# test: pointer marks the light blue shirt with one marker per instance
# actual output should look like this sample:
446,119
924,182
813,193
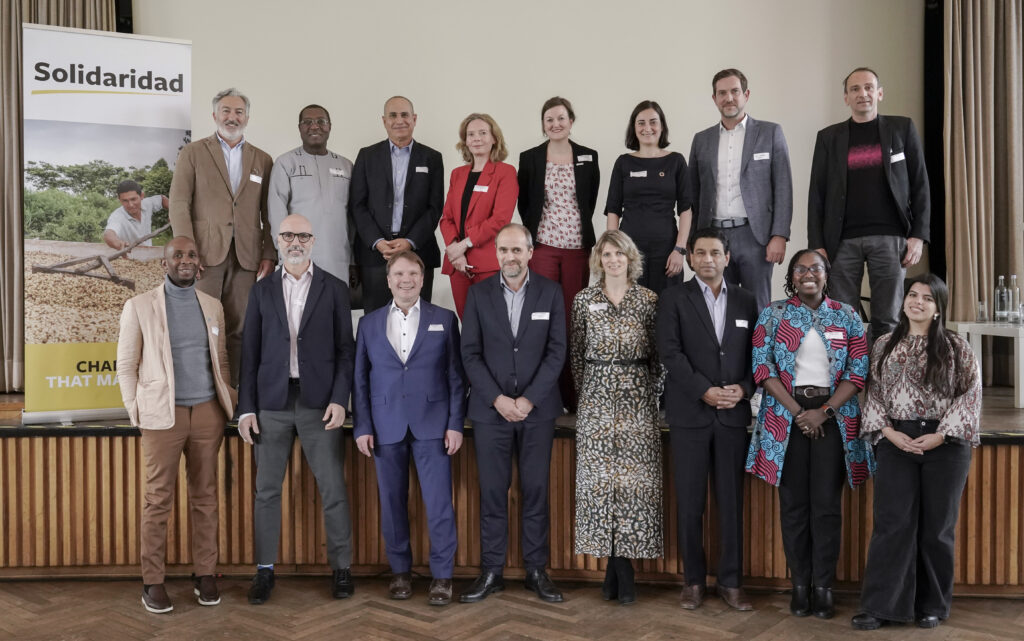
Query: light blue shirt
399,171
716,306
514,301
233,159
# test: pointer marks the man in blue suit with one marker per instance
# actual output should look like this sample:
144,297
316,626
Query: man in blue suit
409,397
513,348
296,373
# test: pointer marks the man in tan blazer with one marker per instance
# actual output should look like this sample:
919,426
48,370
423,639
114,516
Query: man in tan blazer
219,199
173,370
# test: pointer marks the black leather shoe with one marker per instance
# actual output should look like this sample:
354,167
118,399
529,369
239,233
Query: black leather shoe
627,587
800,601
341,584
538,581
824,608
483,585
261,586
610,587
864,621
927,621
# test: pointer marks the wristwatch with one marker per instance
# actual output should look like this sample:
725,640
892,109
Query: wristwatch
681,250
829,410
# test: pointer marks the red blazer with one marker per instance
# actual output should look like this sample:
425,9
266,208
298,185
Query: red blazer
490,209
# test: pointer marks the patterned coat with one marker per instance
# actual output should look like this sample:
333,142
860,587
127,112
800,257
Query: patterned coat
618,435
780,331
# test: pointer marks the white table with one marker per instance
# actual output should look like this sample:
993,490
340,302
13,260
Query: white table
972,333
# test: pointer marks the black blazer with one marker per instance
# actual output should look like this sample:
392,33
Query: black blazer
689,349
325,345
533,168
528,364
907,177
372,195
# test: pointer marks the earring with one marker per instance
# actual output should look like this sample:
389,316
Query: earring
936,316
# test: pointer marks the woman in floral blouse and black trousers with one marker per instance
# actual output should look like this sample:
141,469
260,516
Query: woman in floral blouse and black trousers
924,398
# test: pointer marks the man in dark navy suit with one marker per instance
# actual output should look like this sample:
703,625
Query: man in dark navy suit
513,348
296,376
409,398
704,331
395,200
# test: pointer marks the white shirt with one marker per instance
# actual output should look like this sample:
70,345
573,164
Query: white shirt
811,364
730,162
130,230
295,292
716,306
402,328
233,159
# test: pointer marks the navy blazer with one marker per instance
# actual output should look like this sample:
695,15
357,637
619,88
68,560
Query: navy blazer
689,349
903,161
426,394
325,346
533,171
372,195
527,364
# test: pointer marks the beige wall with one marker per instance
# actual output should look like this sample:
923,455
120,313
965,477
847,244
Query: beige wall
454,56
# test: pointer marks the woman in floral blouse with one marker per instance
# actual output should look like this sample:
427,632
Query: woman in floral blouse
811,357
924,398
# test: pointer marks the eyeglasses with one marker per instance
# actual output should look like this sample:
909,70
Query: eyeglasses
308,122
288,236
800,270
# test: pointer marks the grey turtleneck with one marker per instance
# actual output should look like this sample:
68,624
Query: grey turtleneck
190,347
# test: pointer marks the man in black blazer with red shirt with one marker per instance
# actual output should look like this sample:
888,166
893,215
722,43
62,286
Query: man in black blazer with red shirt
513,348
704,339
393,212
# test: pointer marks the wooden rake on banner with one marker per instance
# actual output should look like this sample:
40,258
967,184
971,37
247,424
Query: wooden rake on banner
84,266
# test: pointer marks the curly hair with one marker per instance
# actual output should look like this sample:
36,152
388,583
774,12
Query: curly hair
790,287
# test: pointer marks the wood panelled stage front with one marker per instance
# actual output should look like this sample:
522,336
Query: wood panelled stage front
71,501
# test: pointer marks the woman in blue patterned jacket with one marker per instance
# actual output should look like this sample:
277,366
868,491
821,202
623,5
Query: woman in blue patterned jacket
811,356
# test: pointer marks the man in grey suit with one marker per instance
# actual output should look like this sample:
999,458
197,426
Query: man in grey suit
741,183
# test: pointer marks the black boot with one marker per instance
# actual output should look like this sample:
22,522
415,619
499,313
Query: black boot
610,587
624,574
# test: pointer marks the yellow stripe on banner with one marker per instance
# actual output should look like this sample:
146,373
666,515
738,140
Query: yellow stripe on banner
71,376
129,93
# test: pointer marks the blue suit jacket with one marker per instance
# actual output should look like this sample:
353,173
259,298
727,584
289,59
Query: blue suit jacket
527,364
426,394
325,345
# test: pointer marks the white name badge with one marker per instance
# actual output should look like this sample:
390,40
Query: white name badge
585,158
898,157
638,174
540,316
435,327
834,336
215,330
337,172
741,322
422,170
256,178
482,188
762,156
598,307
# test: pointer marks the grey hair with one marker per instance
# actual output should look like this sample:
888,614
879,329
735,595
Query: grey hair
522,228
231,91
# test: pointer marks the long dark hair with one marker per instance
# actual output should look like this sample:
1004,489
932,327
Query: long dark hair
632,142
789,287
937,373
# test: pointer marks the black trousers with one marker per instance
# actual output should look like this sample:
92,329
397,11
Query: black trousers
530,442
910,563
375,286
720,450
810,502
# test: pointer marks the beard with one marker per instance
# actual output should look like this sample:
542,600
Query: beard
229,136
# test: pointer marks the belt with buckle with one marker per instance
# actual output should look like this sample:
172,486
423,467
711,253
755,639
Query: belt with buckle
810,391
729,223
618,361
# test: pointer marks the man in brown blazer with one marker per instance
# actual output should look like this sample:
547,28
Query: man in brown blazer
219,199
173,371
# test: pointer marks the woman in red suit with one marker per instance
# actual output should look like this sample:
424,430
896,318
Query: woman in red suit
481,198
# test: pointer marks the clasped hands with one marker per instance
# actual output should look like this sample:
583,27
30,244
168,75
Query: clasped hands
456,253
723,398
388,248
918,445
513,409
810,422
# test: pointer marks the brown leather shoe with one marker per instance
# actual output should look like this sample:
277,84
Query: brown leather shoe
205,589
735,598
155,599
440,592
692,596
400,586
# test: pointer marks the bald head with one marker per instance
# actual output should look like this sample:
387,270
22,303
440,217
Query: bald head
181,261
295,223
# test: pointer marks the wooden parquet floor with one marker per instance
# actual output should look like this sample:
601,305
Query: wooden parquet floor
301,609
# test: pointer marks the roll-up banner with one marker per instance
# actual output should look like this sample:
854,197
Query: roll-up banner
104,113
